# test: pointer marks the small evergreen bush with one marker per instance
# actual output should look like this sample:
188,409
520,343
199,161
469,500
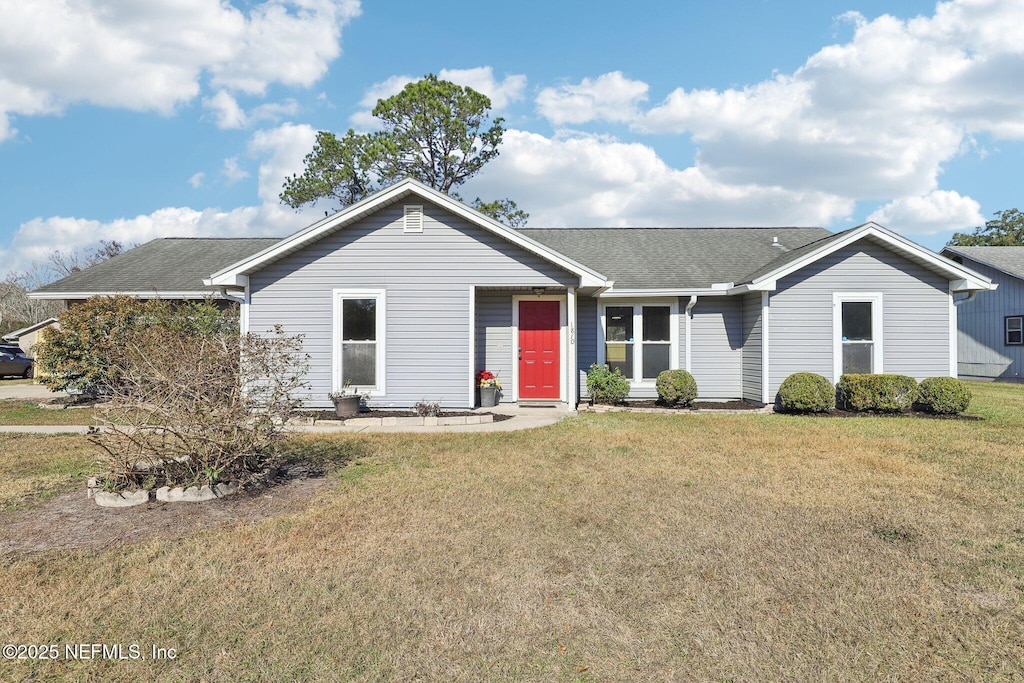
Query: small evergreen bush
676,387
943,395
806,392
882,393
606,386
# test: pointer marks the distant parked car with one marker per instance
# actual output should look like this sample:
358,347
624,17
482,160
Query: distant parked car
15,362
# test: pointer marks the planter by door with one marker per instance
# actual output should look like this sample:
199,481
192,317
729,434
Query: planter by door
347,406
488,397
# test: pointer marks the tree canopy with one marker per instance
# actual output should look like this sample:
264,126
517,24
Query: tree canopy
435,131
1005,230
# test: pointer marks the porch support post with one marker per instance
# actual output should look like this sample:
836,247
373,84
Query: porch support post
472,347
572,369
688,315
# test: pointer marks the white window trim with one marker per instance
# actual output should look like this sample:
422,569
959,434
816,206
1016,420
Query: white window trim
875,299
338,296
1006,330
638,304
562,355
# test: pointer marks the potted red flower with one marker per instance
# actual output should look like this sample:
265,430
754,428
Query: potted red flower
489,386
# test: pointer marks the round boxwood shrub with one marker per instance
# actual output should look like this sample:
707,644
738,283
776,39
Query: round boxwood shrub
676,387
806,392
881,393
606,386
943,395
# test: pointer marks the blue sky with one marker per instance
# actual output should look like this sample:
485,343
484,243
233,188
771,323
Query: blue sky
131,121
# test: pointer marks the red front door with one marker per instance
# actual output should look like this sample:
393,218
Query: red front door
539,350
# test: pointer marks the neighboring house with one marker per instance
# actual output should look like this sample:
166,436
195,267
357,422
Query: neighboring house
27,337
408,293
991,343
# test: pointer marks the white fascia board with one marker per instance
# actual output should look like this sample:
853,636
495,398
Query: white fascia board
350,214
652,293
151,294
18,334
953,270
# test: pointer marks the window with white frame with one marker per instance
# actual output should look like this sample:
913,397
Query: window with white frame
1014,330
857,325
639,339
359,340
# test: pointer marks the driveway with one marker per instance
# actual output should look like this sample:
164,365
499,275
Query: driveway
28,391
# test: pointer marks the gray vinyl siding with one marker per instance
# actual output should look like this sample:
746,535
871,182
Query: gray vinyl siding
915,313
587,332
494,337
752,347
717,347
427,278
981,328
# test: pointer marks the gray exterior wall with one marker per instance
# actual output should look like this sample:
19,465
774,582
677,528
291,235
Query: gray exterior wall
981,328
752,347
494,337
915,309
427,277
587,333
717,346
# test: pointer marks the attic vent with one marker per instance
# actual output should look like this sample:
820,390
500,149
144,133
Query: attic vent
776,243
413,218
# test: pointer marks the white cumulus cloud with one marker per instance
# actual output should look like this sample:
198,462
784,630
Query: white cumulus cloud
589,181
610,97
935,212
154,56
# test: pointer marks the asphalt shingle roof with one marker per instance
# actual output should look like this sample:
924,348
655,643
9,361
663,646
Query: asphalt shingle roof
1007,259
163,265
678,258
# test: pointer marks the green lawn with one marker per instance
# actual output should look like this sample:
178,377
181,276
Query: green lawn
607,547
24,412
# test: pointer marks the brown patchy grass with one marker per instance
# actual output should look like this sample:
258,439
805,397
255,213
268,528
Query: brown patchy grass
607,547
35,467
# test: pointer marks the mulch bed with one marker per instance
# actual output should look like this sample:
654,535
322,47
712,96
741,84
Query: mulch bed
696,405
331,415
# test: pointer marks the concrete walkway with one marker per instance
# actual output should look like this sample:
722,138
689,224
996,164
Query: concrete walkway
523,418
30,391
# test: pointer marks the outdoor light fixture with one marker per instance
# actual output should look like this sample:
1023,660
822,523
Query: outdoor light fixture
539,290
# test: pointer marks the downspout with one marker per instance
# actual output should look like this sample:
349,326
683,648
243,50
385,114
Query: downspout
689,314
224,293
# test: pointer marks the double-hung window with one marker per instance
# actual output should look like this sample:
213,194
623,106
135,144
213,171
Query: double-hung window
857,326
359,340
1014,330
639,339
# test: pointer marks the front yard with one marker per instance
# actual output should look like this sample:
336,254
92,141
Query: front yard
607,547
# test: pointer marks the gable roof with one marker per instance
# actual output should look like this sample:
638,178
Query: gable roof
674,258
173,268
1009,260
961,278
235,275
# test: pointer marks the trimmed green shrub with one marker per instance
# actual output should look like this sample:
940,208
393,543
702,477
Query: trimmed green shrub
806,392
606,386
882,393
943,395
676,387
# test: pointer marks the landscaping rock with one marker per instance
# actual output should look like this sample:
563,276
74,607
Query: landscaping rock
195,494
124,499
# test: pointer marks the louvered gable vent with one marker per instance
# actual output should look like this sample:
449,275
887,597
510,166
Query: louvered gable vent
413,218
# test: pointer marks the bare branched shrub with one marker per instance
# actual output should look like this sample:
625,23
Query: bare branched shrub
197,403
